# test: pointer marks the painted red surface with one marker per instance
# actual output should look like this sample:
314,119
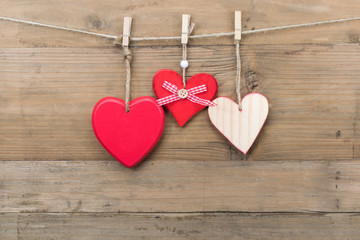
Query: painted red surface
128,136
184,109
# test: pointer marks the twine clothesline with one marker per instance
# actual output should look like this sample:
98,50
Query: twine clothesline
207,35
128,54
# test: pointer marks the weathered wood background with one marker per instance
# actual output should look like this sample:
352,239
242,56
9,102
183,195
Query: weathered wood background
301,179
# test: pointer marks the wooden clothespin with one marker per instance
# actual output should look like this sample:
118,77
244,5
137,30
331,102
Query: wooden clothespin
185,28
126,31
237,35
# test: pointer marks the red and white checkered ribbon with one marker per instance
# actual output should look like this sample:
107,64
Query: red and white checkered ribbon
191,95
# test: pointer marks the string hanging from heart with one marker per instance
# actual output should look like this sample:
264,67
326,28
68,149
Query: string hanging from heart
124,43
238,73
128,58
207,35
184,63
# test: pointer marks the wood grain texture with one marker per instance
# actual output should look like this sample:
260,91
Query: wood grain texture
47,96
8,226
230,226
240,126
56,181
163,18
180,186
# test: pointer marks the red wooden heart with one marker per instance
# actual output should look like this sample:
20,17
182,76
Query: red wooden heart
184,109
128,136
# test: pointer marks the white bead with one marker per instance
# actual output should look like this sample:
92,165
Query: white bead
184,64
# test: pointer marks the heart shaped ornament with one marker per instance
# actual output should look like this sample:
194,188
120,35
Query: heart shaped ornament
184,109
240,127
128,136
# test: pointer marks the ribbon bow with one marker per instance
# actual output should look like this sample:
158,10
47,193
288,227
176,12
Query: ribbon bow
179,94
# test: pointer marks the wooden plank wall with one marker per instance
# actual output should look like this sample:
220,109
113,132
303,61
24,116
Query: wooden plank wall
300,180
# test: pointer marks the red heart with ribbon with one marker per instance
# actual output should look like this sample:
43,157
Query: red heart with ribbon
200,90
128,136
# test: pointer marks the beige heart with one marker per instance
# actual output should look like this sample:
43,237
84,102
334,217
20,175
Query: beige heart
240,127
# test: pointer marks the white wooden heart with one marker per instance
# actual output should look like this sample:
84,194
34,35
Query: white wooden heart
240,127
